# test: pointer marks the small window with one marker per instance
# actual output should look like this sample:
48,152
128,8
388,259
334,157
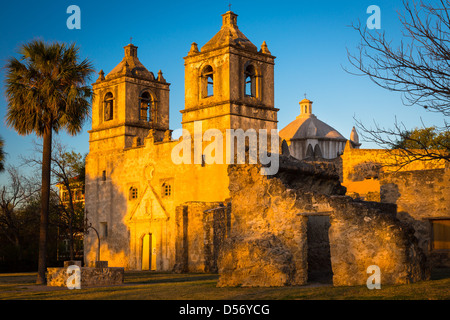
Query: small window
250,81
133,193
109,106
441,234
210,86
104,175
248,86
103,229
166,190
146,103
207,79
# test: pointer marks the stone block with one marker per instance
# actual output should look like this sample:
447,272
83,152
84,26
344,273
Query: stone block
90,277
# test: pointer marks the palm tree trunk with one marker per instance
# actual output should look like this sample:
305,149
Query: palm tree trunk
45,200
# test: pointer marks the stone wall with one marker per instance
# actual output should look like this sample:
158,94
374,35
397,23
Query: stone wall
201,228
361,169
420,196
368,233
90,277
268,243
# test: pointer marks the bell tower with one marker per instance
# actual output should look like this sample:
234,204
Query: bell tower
128,103
229,83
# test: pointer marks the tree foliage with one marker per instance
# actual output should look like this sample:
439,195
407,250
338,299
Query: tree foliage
47,91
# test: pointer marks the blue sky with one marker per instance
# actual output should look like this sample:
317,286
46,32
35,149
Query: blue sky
309,39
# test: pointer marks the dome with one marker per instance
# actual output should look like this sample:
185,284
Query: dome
305,101
309,127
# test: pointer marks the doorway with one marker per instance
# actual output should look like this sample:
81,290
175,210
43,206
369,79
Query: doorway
319,257
148,252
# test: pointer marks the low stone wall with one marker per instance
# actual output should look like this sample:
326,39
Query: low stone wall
90,277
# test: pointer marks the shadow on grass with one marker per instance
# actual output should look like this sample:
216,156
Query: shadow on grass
440,273
145,277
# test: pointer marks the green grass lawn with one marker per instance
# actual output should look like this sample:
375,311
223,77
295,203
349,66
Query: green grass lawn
169,286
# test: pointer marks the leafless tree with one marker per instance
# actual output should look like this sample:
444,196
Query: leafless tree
67,168
13,198
418,68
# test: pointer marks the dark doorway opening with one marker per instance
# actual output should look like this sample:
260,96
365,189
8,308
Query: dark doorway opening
319,257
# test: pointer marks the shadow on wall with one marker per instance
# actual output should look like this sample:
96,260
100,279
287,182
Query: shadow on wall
105,209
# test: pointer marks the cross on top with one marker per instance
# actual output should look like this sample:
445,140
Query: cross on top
305,95
229,6
131,40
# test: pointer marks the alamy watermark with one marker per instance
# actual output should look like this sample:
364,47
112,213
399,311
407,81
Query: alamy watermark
74,20
238,143
374,21
374,281
74,279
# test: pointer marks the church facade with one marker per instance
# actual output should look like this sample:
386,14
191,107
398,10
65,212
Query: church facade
132,185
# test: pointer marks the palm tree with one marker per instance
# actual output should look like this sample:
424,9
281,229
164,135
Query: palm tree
47,91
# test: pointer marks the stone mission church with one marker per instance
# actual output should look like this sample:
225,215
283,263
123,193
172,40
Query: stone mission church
132,185
153,214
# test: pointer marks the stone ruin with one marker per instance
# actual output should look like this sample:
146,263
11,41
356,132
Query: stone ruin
96,276
294,228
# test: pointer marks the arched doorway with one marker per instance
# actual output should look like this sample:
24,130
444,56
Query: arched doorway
148,252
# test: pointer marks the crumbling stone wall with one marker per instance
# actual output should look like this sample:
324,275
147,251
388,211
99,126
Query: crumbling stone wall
368,233
266,247
268,243
201,228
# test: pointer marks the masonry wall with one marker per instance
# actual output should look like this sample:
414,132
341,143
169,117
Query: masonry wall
201,229
268,243
363,234
360,169
420,196
421,190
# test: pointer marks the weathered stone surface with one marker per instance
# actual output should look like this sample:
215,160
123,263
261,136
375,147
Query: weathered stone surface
201,228
267,243
364,234
269,233
90,277
421,196
261,262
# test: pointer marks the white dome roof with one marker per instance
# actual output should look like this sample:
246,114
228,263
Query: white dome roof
307,126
